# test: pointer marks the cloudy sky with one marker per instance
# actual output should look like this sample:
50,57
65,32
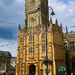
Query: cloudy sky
12,14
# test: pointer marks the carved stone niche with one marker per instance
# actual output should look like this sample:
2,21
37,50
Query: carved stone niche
50,42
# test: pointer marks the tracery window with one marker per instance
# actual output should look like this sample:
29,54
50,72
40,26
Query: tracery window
72,46
41,65
31,39
31,49
21,65
43,37
43,48
21,41
20,50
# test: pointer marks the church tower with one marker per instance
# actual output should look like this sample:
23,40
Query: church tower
32,41
35,11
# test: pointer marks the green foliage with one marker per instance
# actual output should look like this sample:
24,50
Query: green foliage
47,61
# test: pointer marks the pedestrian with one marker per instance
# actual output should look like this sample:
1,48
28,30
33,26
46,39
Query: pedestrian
4,73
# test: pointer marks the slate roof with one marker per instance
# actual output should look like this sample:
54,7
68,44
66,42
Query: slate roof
5,54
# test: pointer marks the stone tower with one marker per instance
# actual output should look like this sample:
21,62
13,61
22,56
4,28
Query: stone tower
32,41
35,11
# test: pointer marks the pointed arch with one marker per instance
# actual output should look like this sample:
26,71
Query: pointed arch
73,63
32,69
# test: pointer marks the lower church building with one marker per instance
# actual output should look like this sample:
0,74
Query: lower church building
31,50
5,58
5,63
69,45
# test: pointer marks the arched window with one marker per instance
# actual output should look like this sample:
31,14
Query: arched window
31,49
21,39
31,39
65,47
43,37
43,48
71,46
41,65
21,65
21,51
73,63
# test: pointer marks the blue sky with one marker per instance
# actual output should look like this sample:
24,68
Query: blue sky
65,12
12,14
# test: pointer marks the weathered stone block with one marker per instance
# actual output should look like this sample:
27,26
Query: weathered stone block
26,74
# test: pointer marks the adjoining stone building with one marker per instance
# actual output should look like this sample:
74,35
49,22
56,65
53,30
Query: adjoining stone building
32,44
5,58
5,63
69,45
13,64
14,61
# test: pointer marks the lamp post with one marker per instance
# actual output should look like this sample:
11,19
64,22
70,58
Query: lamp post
52,13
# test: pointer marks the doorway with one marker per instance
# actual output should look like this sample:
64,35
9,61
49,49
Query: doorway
32,69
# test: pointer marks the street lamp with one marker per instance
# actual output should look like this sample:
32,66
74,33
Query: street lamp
52,13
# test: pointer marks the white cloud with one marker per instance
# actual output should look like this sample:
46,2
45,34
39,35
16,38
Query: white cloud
19,0
73,20
70,12
65,11
71,2
15,14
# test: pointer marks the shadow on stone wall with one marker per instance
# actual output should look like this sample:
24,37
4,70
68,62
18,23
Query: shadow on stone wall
26,74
